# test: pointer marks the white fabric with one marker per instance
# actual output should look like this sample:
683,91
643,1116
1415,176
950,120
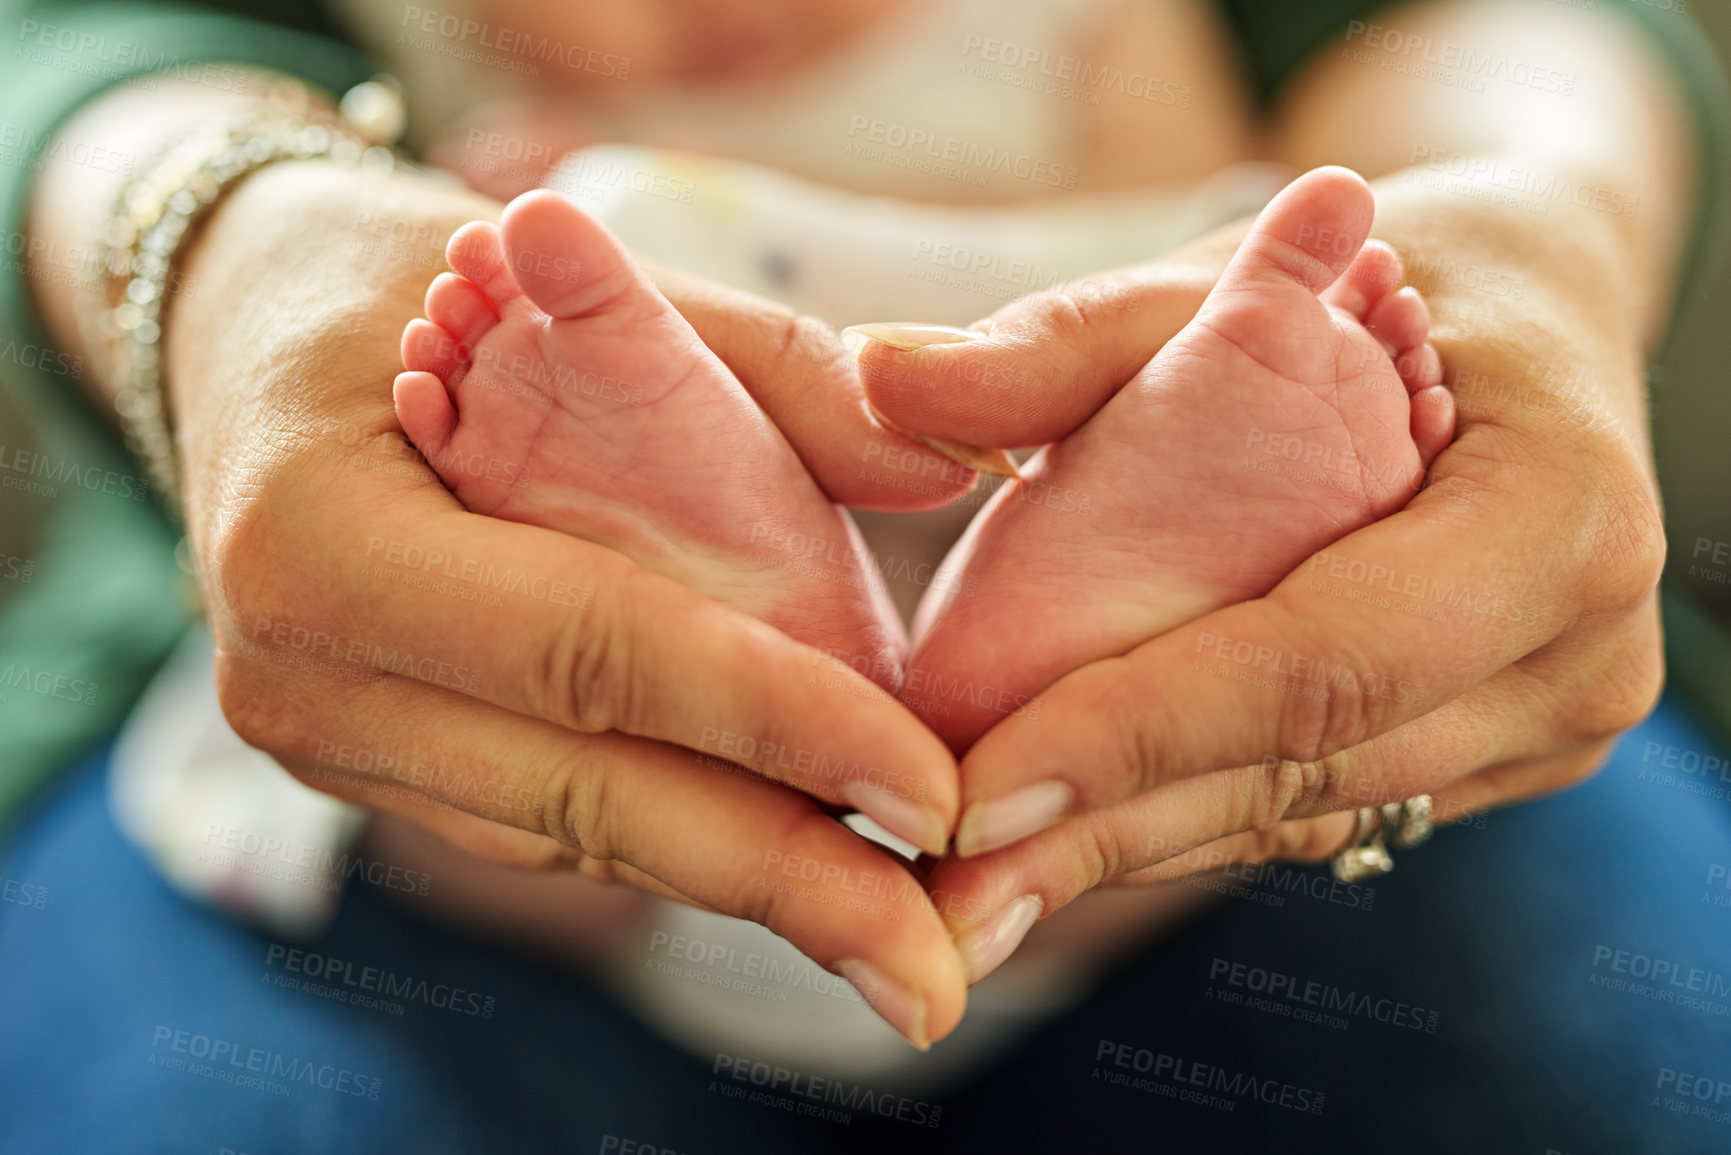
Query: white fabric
849,258
183,779
224,823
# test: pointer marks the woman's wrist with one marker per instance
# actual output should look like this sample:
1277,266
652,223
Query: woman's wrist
73,211
72,201
160,210
305,278
303,255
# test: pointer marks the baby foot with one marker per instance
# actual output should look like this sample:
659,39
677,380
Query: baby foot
1300,404
552,384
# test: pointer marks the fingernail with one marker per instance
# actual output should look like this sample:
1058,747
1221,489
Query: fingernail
894,1003
904,335
984,950
993,461
1000,821
902,817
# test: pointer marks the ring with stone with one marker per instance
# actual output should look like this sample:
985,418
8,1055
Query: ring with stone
1366,856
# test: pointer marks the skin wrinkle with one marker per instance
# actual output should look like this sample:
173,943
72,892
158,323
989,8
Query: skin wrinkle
1345,718
1625,409
584,817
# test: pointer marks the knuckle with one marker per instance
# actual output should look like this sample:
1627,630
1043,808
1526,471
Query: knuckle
1063,319
1626,541
256,708
239,694
1139,732
767,906
243,526
800,339
1067,312
1315,725
1100,856
577,814
1577,770
1605,716
1036,341
1285,789
786,333
238,545
1625,693
583,675
1647,675
479,840
961,890
750,889
1335,700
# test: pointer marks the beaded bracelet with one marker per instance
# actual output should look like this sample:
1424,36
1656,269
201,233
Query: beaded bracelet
172,192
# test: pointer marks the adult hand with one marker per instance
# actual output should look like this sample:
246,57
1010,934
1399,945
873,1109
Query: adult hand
1483,645
534,698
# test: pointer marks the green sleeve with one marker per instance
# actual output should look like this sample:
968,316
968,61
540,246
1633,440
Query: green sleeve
91,598
63,54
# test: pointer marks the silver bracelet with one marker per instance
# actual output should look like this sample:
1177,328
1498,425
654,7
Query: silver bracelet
168,195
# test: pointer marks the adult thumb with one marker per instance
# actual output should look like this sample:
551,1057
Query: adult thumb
1036,369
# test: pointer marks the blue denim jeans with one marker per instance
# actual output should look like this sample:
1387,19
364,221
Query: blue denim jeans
1557,978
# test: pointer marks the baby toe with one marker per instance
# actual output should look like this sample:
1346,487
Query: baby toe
424,410
566,261
428,348
476,251
1370,278
1401,320
1433,422
459,307
1419,367
1307,236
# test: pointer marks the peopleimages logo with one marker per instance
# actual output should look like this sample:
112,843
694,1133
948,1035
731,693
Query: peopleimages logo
94,55
227,1061
1662,971
1690,1086
1067,76
377,981
765,755
1661,980
1284,878
1416,52
52,472
969,157
47,684
509,42
23,893
829,882
1292,672
223,843
816,1095
1693,1094
1309,1000
718,965
1204,1084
